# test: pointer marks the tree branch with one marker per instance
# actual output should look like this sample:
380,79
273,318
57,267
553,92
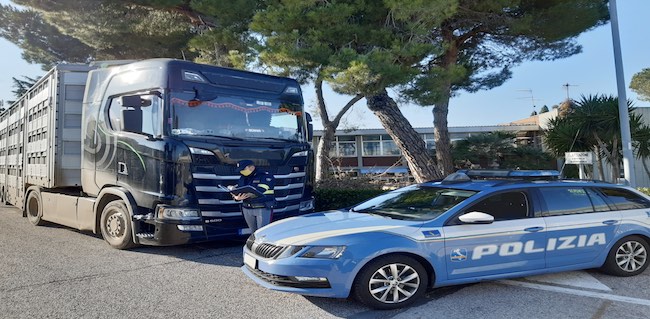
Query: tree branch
322,110
347,106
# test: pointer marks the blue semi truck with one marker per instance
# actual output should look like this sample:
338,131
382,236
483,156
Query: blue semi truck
138,150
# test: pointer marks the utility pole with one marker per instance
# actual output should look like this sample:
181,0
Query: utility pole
626,137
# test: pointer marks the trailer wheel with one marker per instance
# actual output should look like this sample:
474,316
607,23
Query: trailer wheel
34,208
115,225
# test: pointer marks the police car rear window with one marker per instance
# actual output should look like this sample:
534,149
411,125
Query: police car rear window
566,200
624,199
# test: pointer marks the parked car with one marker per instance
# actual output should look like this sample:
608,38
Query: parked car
389,250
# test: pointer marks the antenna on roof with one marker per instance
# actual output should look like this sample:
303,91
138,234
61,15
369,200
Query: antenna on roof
566,87
532,99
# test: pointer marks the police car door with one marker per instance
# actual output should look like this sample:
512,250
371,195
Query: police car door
513,242
579,224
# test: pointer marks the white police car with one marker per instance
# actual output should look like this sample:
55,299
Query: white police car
388,250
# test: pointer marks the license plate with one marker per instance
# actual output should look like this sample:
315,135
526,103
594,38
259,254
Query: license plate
250,261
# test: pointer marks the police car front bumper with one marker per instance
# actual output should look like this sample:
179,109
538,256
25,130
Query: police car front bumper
305,276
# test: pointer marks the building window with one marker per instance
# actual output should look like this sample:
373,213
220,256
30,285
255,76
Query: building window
379,145
429,141
388,146
343,146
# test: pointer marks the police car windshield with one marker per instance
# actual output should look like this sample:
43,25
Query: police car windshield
416,202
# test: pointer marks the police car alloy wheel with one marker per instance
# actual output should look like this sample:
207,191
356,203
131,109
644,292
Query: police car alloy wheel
390,282
628,257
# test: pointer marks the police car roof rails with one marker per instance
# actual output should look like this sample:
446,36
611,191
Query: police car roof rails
511,174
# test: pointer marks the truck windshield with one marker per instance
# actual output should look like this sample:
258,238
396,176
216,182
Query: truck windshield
234,116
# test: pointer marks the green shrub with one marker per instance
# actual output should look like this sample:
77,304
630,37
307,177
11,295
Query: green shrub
336,198
645,190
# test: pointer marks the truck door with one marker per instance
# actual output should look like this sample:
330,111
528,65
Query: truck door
139,152
513,242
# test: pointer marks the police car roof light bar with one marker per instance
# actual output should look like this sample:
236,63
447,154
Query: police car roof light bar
517,174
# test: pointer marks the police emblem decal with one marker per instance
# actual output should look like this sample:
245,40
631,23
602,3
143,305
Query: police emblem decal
458,254
431,233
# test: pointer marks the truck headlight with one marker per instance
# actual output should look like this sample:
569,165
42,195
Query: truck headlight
307,205
178,213
325,252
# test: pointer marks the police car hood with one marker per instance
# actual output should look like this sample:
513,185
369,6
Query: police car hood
307,229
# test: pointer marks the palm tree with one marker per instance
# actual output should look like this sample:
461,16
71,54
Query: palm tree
593,124
641,143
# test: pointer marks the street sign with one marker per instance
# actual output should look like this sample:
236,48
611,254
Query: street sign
578,158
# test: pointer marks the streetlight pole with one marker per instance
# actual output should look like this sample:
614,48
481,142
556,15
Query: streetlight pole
626,137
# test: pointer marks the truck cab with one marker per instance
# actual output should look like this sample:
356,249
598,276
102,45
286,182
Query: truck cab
160,140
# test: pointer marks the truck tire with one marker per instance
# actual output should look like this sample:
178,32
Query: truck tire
34,208
115,225
628,257
390,282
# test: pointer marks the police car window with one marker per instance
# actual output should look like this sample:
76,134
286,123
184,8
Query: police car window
566,200
597,201
624,199
503,206
415,202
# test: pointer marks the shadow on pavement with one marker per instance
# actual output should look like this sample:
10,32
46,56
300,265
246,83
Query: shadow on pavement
221,252
352,309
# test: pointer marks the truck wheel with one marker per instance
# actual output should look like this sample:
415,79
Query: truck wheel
34,208
115,225
390,282
628,257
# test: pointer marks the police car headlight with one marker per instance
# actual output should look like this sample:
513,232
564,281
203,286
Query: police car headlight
325,252
178,213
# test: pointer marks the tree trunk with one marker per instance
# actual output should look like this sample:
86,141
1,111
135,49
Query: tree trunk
441,106
422,166
323,162
441,135
599,163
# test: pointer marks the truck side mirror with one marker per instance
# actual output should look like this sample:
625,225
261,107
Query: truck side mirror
310,127
135,101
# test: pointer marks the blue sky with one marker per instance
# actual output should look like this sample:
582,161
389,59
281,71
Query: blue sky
591,72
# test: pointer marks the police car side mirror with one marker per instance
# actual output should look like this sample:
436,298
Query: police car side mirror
476,218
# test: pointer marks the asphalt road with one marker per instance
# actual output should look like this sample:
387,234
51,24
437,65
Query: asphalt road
57,272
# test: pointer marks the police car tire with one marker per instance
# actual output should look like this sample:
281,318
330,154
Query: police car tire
361,286
611,266
119,216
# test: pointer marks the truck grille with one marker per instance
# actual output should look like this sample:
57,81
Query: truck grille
218,203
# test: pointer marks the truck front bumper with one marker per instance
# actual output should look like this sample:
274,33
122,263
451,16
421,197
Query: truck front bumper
169,233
